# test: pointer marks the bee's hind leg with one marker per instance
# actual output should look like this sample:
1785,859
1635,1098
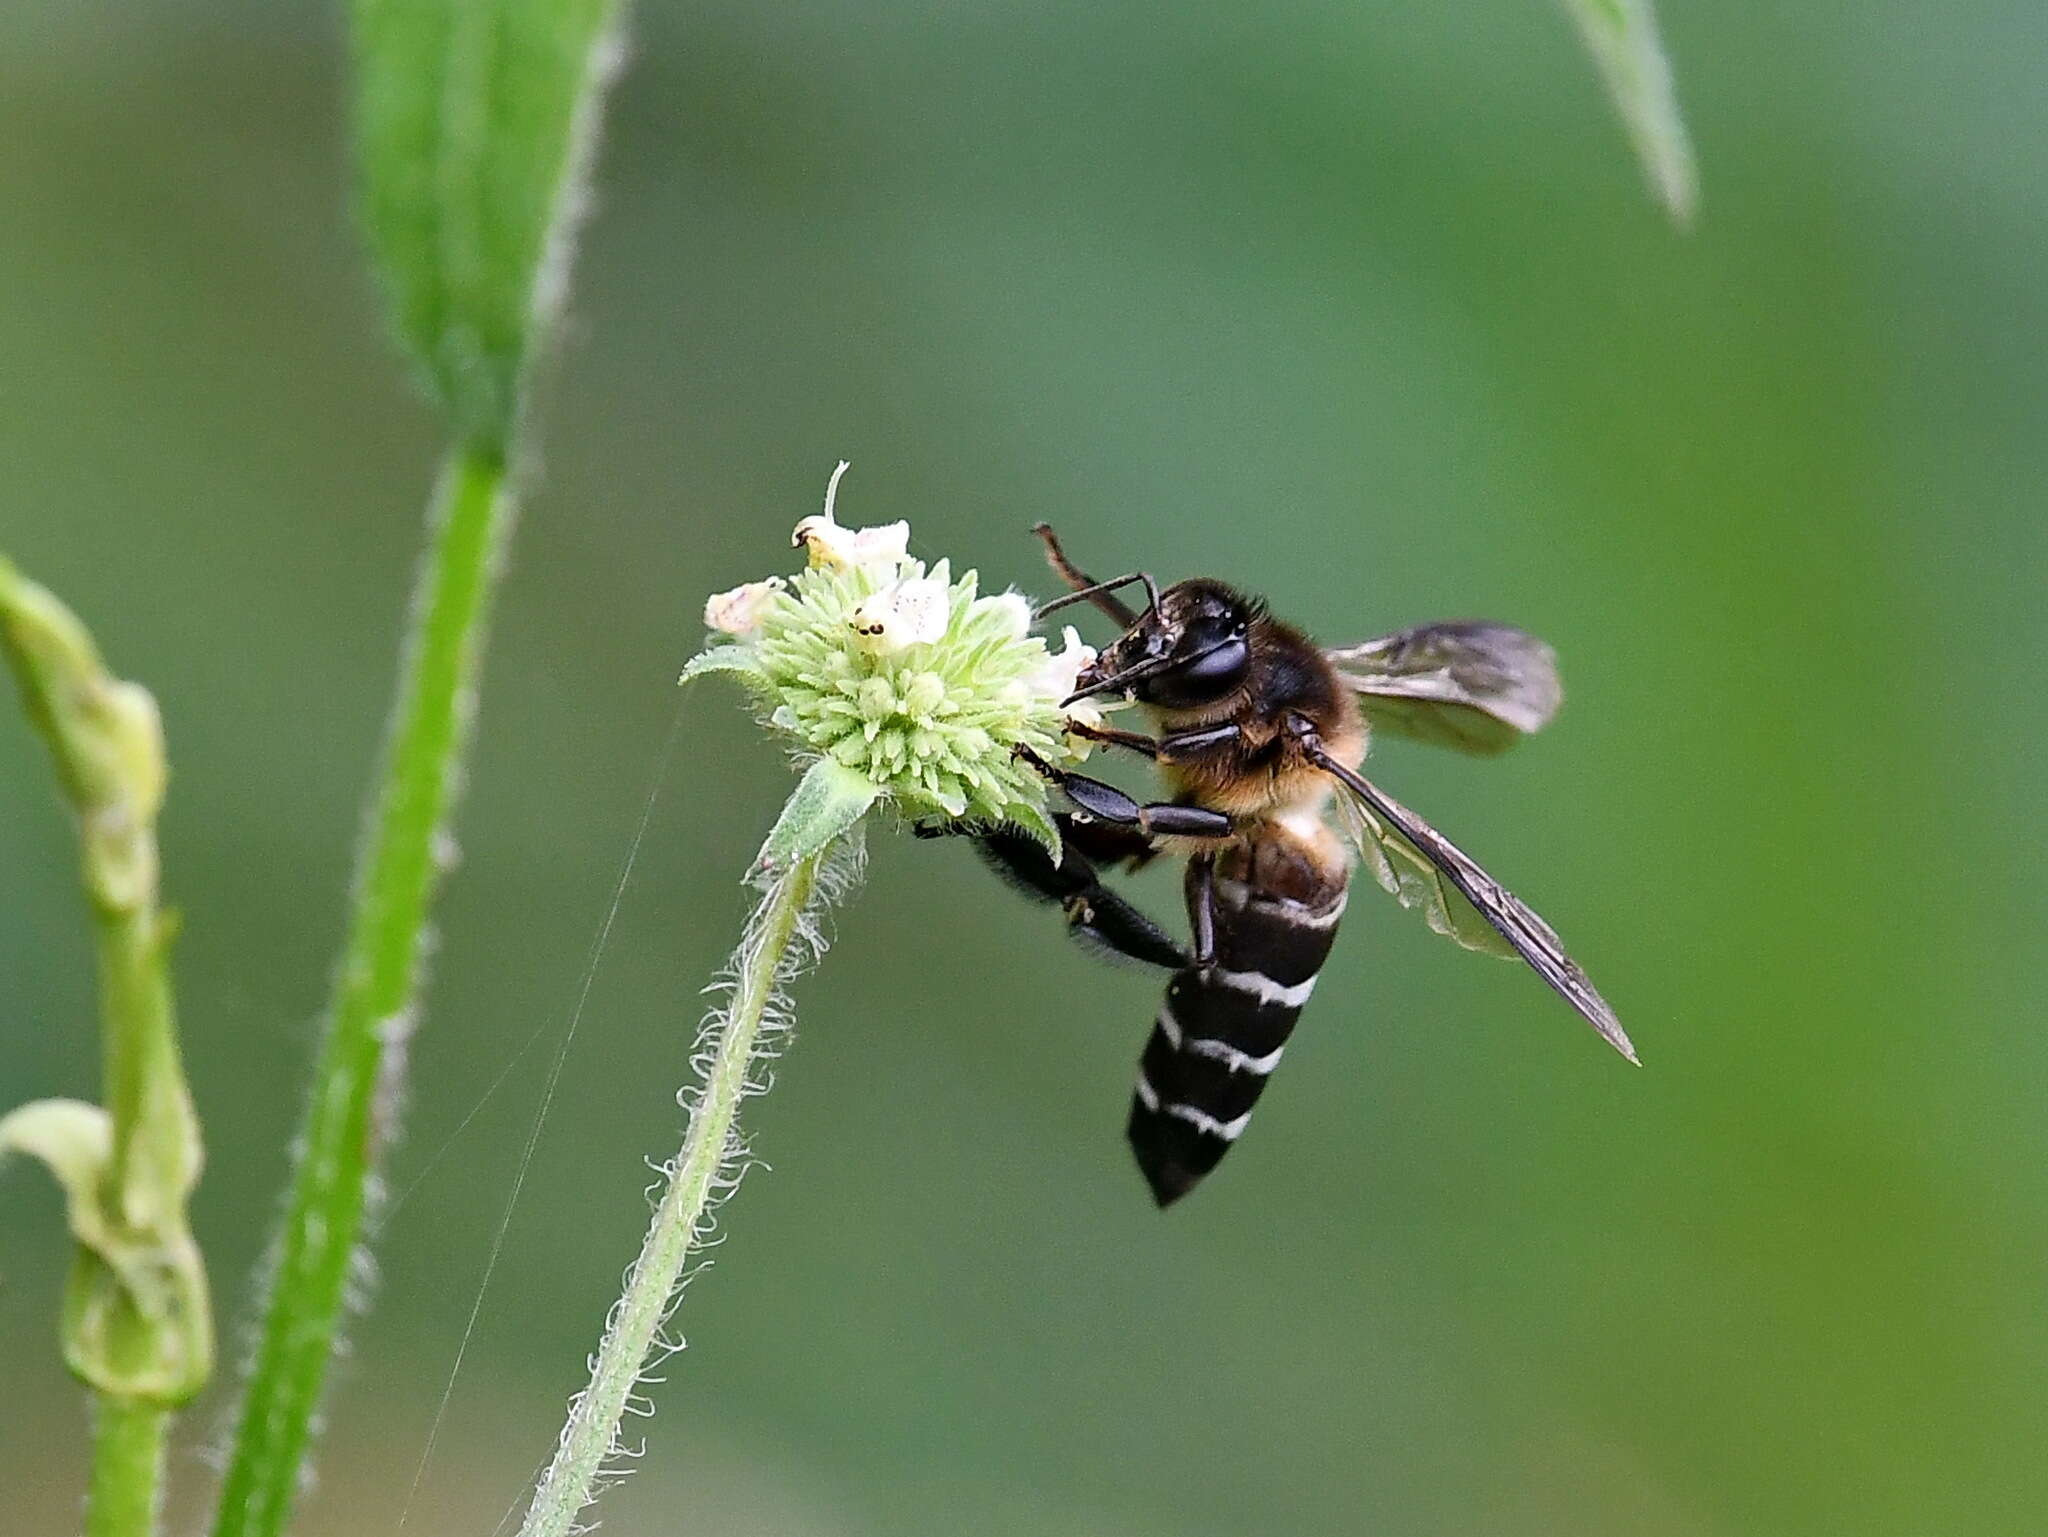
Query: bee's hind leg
1095,914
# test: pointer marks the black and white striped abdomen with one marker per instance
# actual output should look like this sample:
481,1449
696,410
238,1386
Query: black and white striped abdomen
1222,1029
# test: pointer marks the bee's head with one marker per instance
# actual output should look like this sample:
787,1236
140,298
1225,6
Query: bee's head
1189,649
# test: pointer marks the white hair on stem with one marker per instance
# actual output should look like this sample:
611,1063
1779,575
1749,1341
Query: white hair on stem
740,1036
902,688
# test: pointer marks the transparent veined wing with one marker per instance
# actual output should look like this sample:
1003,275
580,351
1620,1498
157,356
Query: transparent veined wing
1464,683
1425,869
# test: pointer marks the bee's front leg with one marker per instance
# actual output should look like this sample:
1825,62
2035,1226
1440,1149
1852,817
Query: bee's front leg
1132,741
1175,747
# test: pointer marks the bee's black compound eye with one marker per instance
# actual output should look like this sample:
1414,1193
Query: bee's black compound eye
1215,655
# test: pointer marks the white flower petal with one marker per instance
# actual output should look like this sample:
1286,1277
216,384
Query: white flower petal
739,611
908,612
1055,676
1012,609
828,544
1058,675
1085,712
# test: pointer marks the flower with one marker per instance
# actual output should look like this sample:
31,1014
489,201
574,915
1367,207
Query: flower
1059,675
898,682
834,547
831,545
739,612
911,611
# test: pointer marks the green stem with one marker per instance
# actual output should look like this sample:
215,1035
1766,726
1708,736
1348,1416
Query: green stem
371,1014
156,1142
127,1468
136,1326
154,1159
766,957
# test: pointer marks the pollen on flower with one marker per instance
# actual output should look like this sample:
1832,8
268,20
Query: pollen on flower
903,674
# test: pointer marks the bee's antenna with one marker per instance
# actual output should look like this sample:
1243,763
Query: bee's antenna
1116,681
1098,594
1141,671
1085,586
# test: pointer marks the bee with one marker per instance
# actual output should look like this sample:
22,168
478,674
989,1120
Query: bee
1259,735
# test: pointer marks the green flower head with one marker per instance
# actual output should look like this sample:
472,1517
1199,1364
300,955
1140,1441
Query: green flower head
898,682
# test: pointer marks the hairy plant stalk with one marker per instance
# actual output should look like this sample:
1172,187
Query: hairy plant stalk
371,1014
127,1468
904,687
475,125
778,942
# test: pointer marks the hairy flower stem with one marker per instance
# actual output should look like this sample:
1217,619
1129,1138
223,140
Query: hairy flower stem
770,951
397,872
127,1468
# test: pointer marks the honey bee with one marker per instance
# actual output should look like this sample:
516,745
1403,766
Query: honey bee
1259,735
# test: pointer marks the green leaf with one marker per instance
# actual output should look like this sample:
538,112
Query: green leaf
136,1322
75,1141
827,801
475,122
739,659
1039,827
1622,37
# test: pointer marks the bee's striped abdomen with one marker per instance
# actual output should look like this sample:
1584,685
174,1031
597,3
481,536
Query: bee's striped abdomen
1221,1030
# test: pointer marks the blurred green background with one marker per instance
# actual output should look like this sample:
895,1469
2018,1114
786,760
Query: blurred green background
1359,304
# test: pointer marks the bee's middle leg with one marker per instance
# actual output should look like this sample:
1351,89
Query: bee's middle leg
1201,893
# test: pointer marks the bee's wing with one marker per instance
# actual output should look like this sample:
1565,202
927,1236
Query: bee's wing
1463,683
1425,869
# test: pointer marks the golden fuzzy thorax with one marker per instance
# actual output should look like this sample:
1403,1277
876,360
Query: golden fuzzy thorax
1268,778
1277,797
